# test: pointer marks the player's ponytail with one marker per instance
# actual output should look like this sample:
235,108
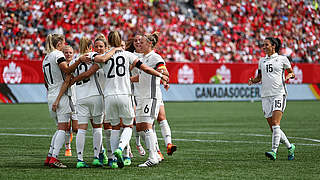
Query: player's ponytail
153,38
52,40
114,39
85,44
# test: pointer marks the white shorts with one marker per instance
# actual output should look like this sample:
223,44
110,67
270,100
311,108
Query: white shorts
147,110
273,103
119,106
63,112
91,107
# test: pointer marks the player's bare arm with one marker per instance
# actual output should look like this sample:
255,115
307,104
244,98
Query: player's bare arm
105,57
256,79
94,68
150,70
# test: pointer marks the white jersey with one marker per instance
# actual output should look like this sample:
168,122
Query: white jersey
88,86
134,72
149,85
117,72
53,75
273,74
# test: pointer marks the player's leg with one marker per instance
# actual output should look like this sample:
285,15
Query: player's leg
96,110
107,131
68,139
63,117
165,130
83,118
159,154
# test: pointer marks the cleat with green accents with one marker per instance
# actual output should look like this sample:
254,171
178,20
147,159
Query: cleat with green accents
291,152
96,162
103,158
127,161
114,164
271,155
118,154
82,164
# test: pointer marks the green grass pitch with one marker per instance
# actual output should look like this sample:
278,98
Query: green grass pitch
216,140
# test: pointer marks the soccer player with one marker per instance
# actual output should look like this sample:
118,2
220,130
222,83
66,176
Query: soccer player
149,97
55,68
101,46
73,124
117,93
271,73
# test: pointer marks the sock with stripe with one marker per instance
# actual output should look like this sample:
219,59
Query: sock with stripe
58,143
52,144
80,141
97,140
276,134
166,132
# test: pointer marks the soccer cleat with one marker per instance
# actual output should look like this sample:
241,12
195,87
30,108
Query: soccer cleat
103,158
271,155
82,164
160,157
55,163
127,161
291,152
114,164
96,162
171,148
68,152
109,163
46,162
118,154
148,163
141,150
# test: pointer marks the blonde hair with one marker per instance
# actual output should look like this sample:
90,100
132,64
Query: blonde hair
67,47
102,38
114,39
85,44
52,40
154,38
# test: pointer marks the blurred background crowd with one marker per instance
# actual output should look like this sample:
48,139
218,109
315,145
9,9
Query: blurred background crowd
191,30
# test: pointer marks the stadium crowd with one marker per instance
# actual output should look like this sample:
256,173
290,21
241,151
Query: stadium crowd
191,31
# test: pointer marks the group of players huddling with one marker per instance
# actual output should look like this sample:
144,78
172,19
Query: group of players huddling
115,87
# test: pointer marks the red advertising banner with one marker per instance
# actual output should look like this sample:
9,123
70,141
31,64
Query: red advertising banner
15,72
189,73
12,72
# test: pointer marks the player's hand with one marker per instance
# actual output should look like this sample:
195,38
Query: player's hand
290,76
166,87
250,81
55,106
165,79
85,58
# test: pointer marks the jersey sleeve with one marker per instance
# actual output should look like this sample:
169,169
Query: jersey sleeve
159,62
60,57
131,57
286,63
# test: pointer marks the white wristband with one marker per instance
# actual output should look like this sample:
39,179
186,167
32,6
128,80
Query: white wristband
160,75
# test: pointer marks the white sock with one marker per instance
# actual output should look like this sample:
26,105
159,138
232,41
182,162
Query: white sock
276,134
97,140
114,140
165,131
150,143
52,144
125,137
80,140
58,142
68,140
155,138
284,139
107,132
138,141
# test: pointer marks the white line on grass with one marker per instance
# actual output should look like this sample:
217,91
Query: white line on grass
184,140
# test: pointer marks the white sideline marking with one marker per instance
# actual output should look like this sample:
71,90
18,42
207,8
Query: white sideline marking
185,140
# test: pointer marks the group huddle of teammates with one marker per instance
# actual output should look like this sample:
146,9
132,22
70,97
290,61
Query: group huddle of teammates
112,88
